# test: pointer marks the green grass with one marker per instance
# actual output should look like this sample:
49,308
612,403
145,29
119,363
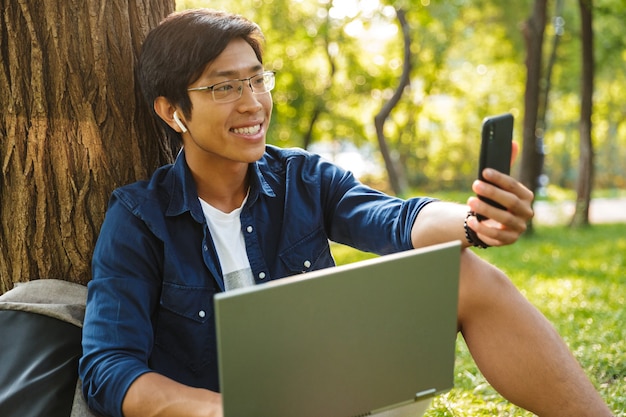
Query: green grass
577,278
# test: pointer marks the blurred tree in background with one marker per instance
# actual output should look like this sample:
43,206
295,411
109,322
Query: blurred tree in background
73,126
339,62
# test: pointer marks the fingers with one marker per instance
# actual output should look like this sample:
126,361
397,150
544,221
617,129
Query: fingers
495,233
504,226
505,190
514,151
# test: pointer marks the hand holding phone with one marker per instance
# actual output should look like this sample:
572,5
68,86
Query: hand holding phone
495,149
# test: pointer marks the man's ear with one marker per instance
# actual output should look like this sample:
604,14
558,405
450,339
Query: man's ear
168,113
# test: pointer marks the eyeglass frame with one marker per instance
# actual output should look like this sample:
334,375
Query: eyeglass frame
241,80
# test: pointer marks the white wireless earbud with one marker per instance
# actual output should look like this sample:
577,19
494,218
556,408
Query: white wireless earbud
179,123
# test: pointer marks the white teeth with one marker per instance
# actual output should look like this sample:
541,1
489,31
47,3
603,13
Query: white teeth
248,130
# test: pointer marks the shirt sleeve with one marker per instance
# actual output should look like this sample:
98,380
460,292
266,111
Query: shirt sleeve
122,296
365,218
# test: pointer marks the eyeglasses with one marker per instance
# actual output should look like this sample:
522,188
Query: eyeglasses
231,90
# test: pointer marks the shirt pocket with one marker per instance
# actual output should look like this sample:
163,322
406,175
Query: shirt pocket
185,326
310,253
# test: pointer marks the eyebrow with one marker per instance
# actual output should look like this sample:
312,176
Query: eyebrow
234,73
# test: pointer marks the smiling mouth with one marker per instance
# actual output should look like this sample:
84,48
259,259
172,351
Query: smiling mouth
251,130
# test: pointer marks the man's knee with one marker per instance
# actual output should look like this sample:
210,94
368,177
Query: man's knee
481,286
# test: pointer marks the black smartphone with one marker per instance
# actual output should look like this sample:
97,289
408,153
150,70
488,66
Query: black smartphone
495,148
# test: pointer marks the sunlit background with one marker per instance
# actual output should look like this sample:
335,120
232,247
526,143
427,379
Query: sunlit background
340,61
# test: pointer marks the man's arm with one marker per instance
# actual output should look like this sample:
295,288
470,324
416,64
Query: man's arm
441,222
118,331
154,395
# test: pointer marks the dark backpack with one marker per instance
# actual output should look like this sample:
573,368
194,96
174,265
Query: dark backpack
40,345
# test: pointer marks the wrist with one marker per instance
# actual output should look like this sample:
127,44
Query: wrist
471,236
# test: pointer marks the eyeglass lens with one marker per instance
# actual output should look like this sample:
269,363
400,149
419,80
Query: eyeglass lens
233,89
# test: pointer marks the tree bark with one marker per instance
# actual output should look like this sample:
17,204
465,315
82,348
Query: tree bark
545,91
585,160
395,178
545,88
72,128
532,149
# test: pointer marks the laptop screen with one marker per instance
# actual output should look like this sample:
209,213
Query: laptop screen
345,341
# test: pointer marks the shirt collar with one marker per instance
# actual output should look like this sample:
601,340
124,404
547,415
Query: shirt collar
184,194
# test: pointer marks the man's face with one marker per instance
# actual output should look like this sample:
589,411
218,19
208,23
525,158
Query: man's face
233,131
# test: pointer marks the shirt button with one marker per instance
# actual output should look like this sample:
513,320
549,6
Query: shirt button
262,275
201,313
249,229
307,264
206,248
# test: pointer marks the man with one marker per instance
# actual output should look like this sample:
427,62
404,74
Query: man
233,211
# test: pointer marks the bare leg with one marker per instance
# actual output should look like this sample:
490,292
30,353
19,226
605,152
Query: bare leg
517,349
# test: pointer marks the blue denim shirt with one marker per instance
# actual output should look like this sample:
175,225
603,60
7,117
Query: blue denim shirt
155,269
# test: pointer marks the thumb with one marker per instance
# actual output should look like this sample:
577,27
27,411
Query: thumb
514,151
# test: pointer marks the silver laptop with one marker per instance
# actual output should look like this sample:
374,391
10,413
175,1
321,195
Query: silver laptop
375,337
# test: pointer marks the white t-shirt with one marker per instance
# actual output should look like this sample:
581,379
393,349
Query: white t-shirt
227,236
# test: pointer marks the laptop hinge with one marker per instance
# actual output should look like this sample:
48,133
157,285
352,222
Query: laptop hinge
425,393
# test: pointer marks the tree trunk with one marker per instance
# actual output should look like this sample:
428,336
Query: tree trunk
398,185
585,162
544,92
73,127
532,149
